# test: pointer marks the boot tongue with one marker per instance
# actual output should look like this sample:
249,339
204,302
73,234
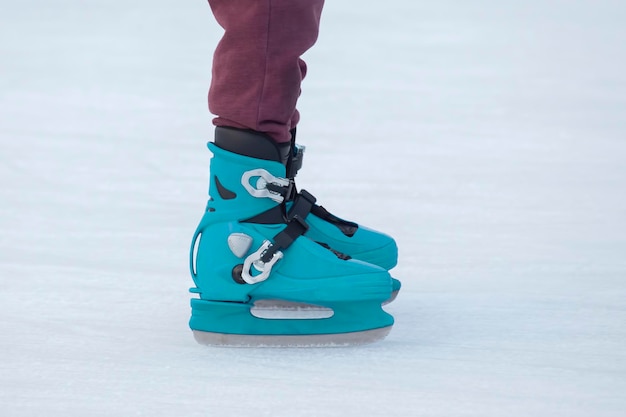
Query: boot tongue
251,143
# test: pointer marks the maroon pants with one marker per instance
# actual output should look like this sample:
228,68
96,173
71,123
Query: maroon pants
257,70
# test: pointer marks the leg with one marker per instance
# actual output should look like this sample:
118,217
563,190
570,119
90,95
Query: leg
257,70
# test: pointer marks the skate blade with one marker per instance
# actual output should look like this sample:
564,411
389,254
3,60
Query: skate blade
314,340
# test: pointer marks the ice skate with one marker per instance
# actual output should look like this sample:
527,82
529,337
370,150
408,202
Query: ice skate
345,237
260,281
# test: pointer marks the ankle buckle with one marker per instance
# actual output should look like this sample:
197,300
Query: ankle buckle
255,261
267,185
295,160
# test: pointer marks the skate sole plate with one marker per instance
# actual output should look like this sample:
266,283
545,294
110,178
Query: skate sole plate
313,340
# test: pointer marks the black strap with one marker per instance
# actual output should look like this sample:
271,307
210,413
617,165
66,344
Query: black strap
303,203
347,227
296,227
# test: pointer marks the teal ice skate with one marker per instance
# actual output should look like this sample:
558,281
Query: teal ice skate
260,281
349,238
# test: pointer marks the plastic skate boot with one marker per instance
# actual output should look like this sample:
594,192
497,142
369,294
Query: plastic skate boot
250,265
354,240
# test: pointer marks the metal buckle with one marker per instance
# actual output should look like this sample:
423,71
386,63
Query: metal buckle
264,178
254,261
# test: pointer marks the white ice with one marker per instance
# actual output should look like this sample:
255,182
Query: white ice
488,137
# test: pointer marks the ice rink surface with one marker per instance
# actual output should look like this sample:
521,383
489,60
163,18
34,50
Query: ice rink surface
488,137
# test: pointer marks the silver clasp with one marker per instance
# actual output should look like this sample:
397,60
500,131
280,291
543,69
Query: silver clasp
254,261
265,178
